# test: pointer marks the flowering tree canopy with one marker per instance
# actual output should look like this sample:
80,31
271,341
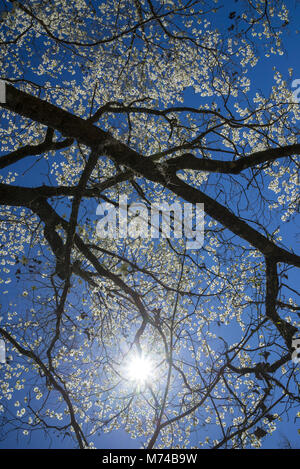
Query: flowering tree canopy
157,100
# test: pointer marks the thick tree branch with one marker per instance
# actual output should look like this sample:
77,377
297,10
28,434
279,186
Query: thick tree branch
272,287
189,161
92,136
32,150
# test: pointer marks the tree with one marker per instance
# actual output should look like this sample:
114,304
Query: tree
152,100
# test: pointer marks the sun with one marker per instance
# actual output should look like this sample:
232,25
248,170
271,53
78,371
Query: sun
140,370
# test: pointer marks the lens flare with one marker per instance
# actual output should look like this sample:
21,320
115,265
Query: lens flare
140,370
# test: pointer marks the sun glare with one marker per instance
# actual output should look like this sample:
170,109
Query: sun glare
140,370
